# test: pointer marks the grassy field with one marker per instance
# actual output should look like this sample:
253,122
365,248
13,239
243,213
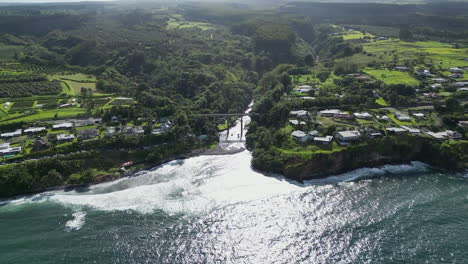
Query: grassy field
381,102
180,24
8,51
432,52
350,35
45,115
77,77
392,77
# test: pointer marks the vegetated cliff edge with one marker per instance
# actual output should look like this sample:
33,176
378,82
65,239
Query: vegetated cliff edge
372,153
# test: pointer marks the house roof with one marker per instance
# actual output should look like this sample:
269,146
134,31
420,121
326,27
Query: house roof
298,134
324,139
349,134
34,129
331,111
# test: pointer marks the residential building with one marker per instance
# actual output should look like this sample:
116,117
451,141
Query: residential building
306,89
110,131
396,130
464,89
463,124
344,116
364,115
88,133
384,118
430,95
330,112
402,117
423,72
300,136
65,137
63,126
300,114
295,122
456,75
323,140
4,145
348,136
134,131
459,84
10,151
439,80
308,98
456,70
411,130
436,86
446,135
15,133
419,115
33,130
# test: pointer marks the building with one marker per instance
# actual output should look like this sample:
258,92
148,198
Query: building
300,114
308,98
463,124
15,133
364,115
65,137
456,70
402,117
306,89
439,80
419,115
456,75
63,126
330,112
423,72
381,38
411,130
459,84
436,86
4,146
384,118
396,130
33,130
348,136
446,135
344,116
323,140
88,133
295,122
430,95
464,89
10,151
88,122
401,68
134,131
300,136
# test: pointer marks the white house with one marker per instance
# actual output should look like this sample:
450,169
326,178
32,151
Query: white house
456,70
9,151
300,114
464,89
63,126
459,84
65,137
308,98
16,133
402,117
33,130
300,136
330,112
411,130
295,122
348,136
439,80
419,115
384,118
401,68
323,140
396,130
4,145
364,115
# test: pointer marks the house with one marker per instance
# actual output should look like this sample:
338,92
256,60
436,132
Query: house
411,130
454,134
401,68
134,131
372,133
364,115
313,133
464,89
419,115
63,126
300,114
436,86
65,137
323,140
33,130
402,117
362,78
456,75
4,146
455,70
110,131
381,38
446,135
330,112
88,122
10,151
344,116
423,72
6,105
384,118
308,98
463,124
66,106
439,80
297,122
300,136
114,119
396,130
88,133
16,133
459,84
348,136
40,143
306,89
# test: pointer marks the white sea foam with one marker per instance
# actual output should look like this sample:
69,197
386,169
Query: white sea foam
76,223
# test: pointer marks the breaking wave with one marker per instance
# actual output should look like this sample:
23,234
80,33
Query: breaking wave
76,223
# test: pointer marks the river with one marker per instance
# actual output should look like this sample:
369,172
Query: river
216,209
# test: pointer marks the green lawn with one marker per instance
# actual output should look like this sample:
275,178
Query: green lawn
45,115
381,102
392,77
350,35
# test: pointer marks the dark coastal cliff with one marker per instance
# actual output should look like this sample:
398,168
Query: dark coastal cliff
374,153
